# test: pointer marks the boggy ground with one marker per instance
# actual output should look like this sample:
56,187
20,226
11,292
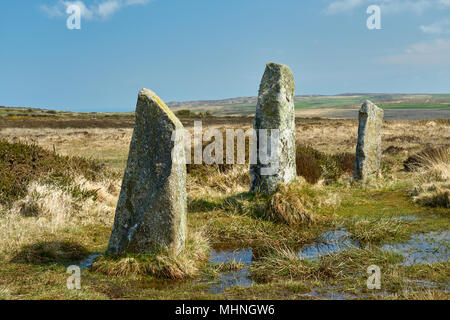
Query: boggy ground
253,243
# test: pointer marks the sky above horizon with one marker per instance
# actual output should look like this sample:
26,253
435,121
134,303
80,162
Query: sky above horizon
210,49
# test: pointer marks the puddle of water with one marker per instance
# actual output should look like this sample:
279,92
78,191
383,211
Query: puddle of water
329,242
232,278
86,263
431,247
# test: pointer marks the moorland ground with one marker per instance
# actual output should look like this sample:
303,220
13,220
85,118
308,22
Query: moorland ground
65,213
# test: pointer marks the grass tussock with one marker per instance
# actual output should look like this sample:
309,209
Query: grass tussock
299,202
161,265
290,205
293,204
377,230
427,158
432,185
230,266
284,263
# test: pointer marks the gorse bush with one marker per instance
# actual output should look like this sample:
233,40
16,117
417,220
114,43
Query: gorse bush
186,113
21,164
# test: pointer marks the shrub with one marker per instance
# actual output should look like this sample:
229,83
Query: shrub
183,113
313,164
21,164
307,166
346,161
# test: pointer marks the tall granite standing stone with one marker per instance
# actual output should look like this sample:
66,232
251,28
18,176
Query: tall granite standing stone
275,110
151,211
368,148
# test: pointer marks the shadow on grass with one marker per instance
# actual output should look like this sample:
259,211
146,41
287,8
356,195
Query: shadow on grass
54,252
201,205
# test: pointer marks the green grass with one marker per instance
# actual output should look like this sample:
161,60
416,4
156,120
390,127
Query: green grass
368,212
278,275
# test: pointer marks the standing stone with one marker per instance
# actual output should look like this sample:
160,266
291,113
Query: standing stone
368,148
275,110
151,211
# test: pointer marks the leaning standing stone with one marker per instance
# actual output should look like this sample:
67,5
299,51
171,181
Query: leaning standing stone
151,211
275,110
368,148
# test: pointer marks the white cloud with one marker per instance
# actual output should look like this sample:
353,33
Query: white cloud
436,52
99,10
439,27
387,6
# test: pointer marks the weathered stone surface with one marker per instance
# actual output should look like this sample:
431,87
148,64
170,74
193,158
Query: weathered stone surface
368,148
275,110
151,211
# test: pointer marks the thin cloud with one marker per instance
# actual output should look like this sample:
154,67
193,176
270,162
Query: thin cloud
99,10
439,27
435,52
387,6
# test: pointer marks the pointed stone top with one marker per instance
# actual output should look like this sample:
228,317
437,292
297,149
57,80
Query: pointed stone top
276,76
278,68
276,65
149,95
368,106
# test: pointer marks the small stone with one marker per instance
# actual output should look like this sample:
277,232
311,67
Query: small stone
151,211
275,110
368,148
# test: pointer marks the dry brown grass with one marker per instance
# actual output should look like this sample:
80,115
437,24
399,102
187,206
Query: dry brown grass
290,205
46,210
297,203
432,185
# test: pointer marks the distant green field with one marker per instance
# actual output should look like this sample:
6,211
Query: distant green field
352,103
416,106
327,102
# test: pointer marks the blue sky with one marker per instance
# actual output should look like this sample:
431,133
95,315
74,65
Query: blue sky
210,49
